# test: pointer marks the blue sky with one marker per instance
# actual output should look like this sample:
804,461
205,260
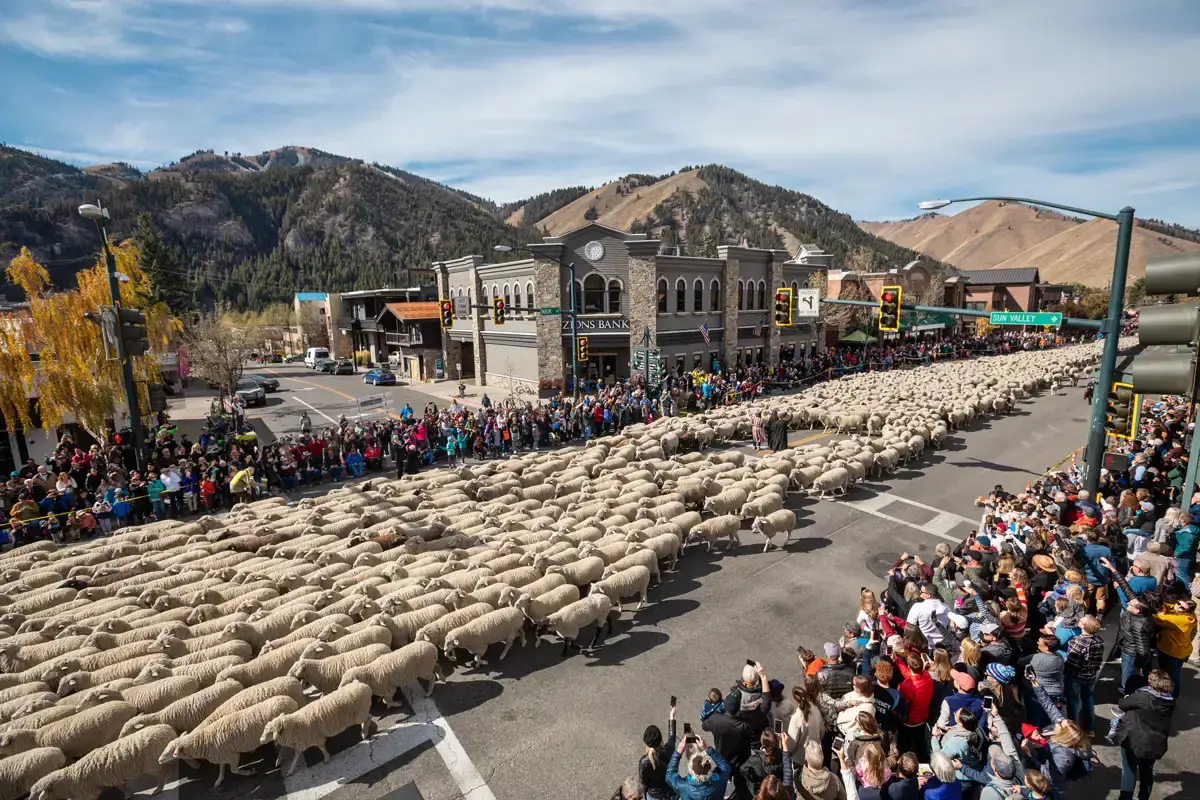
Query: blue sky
868,105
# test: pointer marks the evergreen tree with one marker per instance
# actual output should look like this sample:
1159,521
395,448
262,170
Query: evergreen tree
171,282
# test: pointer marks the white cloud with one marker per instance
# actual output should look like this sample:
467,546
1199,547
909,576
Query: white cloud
869,107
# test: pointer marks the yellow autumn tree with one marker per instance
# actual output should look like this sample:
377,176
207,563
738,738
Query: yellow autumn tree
52,352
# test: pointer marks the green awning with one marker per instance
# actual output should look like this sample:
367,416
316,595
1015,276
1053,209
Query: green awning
858,337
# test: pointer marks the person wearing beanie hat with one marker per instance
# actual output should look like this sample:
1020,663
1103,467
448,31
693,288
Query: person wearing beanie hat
652,768
1001,673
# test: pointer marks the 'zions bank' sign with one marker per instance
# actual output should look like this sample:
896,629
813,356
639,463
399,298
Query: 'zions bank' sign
598,325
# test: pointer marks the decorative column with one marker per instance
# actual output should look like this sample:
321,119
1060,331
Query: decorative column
548,280
476,317
729,309
642,293
451,350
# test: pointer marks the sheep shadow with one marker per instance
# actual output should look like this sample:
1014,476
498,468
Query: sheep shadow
614,651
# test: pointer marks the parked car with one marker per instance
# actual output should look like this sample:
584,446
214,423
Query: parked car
275,358
268,384
250,393
324,365
294,358
379,377
344,367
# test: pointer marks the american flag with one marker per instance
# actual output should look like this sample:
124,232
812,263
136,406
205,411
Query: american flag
758,329
704,332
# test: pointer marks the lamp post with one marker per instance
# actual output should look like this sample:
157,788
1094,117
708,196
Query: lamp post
1111,328
97,213
570,268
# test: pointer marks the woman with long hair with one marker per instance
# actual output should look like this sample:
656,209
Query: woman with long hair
764,762
806,725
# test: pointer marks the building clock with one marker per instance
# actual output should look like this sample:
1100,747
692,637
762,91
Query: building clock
593,251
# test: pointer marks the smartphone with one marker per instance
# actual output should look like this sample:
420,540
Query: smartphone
838,743
750,662
778,727
672,701
687,729
988,703
1029,674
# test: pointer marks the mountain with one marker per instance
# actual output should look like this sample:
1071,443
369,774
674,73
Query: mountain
998,234
253,229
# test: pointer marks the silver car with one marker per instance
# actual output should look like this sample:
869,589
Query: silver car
250,393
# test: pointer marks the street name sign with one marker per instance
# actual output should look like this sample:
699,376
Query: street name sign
462,306
547,311
808,304
1019,318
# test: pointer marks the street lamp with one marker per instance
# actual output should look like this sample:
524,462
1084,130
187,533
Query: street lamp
570,268
98,214
1111,327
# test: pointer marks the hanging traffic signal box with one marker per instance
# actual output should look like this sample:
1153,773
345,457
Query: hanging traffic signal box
446,312
131,324
582,354
498,310
889,308
1121,411
1172,328
783,307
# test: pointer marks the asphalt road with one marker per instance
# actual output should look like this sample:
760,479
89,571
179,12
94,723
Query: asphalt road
538,726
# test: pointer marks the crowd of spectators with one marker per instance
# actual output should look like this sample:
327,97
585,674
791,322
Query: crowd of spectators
974,675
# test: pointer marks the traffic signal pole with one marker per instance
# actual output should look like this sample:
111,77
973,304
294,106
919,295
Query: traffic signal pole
127,378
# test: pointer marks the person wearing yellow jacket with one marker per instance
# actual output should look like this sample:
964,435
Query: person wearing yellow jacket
241,483
1176,625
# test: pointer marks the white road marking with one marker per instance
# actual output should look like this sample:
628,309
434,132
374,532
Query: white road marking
938,526
426,724
314,408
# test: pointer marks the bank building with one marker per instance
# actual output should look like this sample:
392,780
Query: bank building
625,288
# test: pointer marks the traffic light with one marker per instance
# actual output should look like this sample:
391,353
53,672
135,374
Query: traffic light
582,348
498,310
1166,372
889,308
783,307
132,326
157,395
446,312
1121,411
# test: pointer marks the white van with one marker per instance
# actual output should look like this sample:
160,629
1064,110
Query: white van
314,355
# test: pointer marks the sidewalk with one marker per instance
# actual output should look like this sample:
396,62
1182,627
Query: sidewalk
445,392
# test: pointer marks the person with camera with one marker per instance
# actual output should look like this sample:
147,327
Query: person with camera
652,768
708,772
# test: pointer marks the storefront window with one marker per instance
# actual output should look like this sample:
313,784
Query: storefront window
593,294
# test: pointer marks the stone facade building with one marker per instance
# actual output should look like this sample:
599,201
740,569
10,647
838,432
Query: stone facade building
624,289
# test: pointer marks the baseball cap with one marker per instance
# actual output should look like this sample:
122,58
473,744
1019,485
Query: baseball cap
962,680
894,641
959,621
989,628
832,651
1004,767
984,541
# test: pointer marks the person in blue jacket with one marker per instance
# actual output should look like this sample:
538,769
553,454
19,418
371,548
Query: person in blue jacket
708,772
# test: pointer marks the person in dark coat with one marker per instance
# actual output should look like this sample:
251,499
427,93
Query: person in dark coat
652,769
777,433
1142,731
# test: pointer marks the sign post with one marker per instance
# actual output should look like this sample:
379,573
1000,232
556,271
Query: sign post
1052,319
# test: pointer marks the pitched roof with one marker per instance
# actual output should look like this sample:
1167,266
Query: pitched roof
997,277
409,312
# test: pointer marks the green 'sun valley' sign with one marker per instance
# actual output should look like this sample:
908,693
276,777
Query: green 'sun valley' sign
1021,318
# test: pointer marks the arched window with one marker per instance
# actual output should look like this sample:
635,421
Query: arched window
741,295
593,294
529,296
698,295
714,295
579,297
495,290
614,296
680,295
516,297
762,294
662,295
795,288
507,297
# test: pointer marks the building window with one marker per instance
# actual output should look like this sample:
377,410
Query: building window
662,295
507,297
529,296
758,355
698,295
680,295
516,297
697,360
679,365
795,289
762,295
614,297
495,290
714,360
578,297
714,295
741,295
593,294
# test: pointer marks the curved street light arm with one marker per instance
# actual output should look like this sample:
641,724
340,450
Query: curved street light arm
1070,209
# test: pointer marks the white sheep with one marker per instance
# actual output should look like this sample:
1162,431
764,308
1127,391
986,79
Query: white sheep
626,583
187,712
582,572
20,772
328,716
113,765
543,605
568,621
832,480
724,527
325,674
502,625
729,501
773,524
435,632
274,664
224,740
75,735
415,661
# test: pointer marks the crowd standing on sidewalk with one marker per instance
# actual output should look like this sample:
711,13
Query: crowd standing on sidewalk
974,675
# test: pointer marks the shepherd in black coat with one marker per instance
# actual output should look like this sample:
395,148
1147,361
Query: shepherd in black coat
1142,733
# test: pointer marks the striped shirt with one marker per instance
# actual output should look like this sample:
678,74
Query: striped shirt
1085,656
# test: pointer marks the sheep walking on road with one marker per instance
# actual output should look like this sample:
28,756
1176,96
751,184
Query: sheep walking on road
328,716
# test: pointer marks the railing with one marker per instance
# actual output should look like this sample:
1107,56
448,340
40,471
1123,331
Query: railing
410,339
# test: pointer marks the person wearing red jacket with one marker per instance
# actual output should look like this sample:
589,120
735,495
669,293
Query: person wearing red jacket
917,691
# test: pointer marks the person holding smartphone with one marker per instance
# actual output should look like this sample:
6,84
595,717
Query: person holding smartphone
652,768
707,771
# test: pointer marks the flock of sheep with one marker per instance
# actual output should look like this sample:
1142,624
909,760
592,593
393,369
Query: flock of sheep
202,641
